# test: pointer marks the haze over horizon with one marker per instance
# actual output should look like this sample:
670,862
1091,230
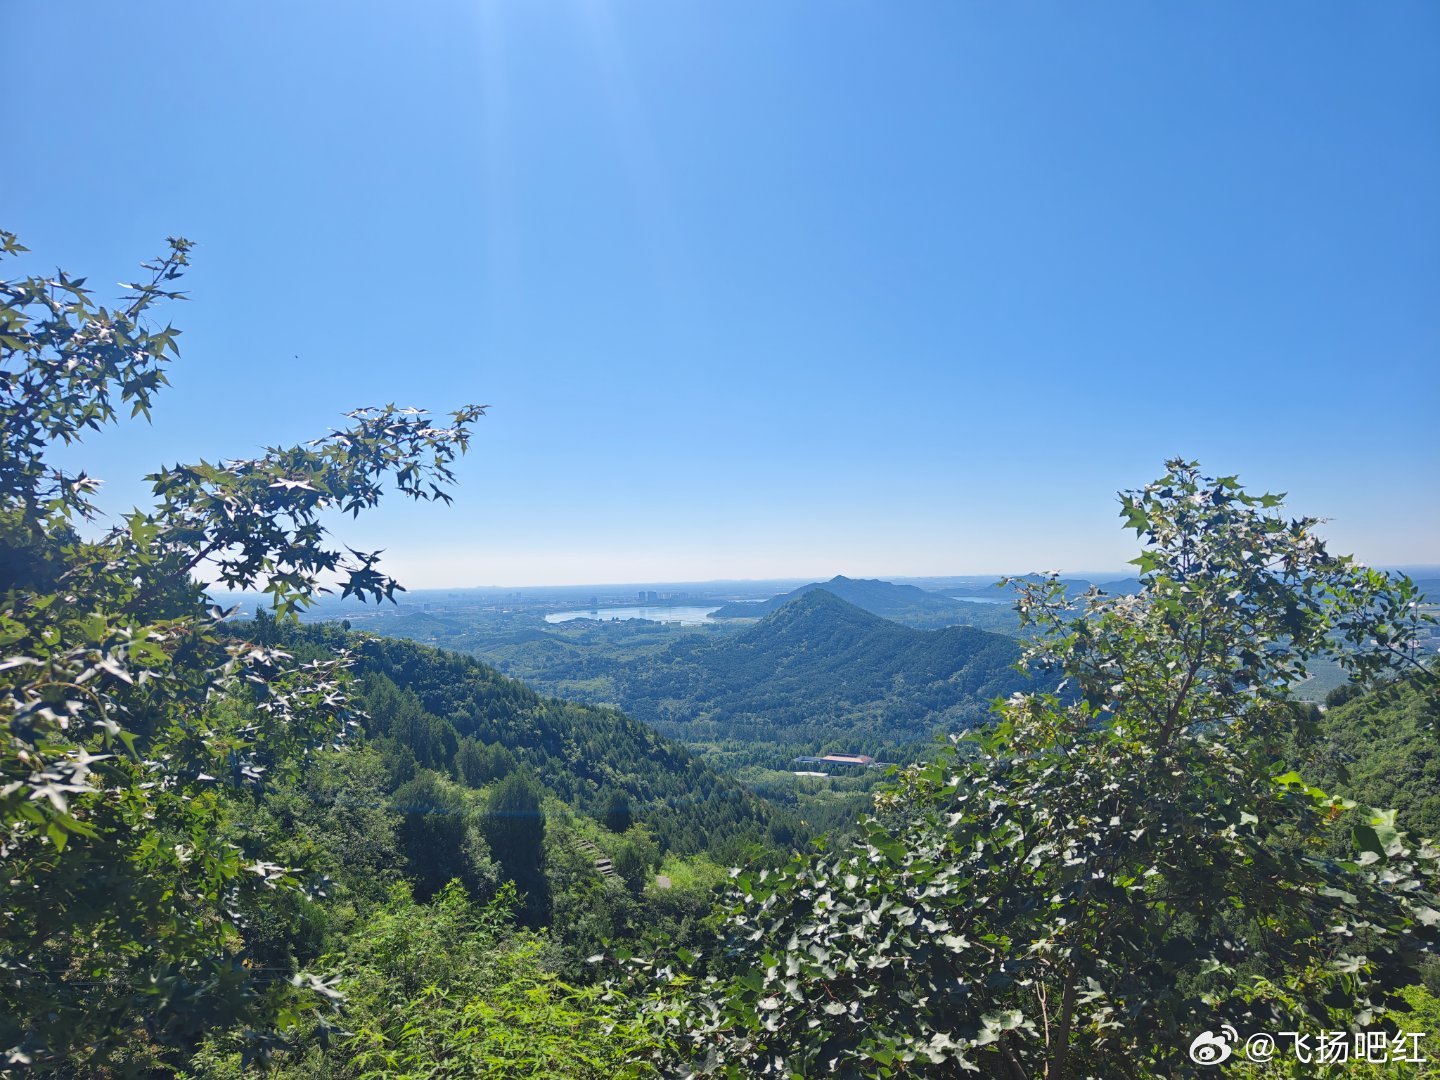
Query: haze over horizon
907,291
754,588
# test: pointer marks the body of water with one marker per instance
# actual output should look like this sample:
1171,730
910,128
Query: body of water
685,616
985,599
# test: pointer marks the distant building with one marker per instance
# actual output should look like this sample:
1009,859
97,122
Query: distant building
863,761
848,759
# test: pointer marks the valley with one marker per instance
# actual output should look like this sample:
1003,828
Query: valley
806,673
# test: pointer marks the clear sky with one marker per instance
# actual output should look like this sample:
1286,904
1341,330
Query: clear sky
769,289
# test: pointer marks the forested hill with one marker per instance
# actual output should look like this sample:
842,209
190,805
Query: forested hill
431,709
1380,748
821,674
901,603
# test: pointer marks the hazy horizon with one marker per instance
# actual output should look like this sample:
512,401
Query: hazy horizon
767,586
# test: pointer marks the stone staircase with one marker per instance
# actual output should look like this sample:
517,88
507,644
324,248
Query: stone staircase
599,858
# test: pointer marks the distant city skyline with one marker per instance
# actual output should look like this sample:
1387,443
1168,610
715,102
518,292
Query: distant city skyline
767,291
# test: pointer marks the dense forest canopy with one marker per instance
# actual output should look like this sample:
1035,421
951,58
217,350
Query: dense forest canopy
429,709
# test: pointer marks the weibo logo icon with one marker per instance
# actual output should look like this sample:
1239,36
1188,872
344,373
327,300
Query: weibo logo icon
1211,1049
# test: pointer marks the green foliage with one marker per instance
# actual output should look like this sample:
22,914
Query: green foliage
67,368
421,702
451,989
1380,748
440,837
334,820
695,874
1101,877
477,763
618,817
632,866
424,703
128,903
515,827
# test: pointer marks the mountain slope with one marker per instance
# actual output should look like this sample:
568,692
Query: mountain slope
1380,748
425,702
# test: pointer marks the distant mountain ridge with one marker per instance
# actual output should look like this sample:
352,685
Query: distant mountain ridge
905,604
822,673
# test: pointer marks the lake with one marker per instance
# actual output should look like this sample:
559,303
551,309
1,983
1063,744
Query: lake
685,616
985,599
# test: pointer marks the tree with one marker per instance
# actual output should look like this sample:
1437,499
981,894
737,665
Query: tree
1113,868
515,828
439,839
632,867
132,715
451,988
618,816
477,763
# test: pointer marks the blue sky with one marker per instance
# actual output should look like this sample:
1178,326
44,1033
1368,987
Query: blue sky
769,290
